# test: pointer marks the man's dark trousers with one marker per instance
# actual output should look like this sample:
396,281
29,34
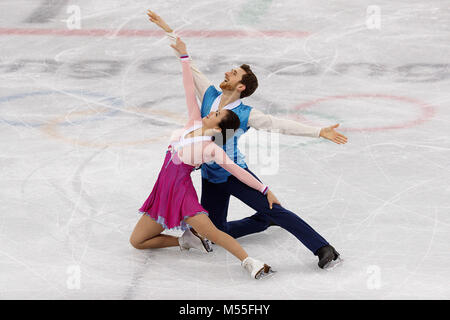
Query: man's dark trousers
216,197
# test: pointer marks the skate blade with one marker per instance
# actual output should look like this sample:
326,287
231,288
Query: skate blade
205,242
207,245
333,263
265,272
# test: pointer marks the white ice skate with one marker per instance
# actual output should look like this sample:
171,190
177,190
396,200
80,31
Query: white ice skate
191,239
256,268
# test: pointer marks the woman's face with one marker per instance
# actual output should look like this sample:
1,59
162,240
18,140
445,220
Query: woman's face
212,120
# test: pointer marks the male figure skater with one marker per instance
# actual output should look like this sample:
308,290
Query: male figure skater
218,185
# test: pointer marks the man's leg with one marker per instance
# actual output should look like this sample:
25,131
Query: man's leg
278,215
253,224
215,199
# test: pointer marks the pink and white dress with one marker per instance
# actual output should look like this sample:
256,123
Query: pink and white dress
173,198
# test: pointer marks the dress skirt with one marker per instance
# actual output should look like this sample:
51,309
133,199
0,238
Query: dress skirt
173,198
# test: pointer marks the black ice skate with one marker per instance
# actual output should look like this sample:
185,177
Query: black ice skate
328,257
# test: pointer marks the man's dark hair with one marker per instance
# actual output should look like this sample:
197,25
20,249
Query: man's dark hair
249,80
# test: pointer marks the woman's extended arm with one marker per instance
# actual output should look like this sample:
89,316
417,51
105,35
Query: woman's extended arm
221,158
188,82
189,90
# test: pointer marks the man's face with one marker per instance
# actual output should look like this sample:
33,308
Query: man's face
232,80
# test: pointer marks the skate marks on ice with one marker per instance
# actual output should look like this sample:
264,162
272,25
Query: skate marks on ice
420,72
382,199
47,11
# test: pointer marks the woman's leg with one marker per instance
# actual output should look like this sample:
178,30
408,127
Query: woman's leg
147,234
204,226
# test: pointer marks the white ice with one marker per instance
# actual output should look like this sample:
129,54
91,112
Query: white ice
84,123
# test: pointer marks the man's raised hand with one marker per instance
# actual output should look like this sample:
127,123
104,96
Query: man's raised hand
158,21
332,135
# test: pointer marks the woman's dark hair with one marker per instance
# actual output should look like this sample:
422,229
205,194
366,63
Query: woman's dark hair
249,80
229,122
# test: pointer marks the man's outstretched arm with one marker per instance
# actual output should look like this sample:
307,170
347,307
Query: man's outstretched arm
262,121
201,82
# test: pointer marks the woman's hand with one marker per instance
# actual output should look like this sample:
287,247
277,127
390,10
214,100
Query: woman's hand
158,21
272,199
180,46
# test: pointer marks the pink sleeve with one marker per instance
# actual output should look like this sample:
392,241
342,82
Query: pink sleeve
189,89
221,158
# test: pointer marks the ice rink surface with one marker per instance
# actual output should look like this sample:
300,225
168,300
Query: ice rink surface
86,113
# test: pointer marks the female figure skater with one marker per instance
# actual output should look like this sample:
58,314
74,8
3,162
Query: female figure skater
173,202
